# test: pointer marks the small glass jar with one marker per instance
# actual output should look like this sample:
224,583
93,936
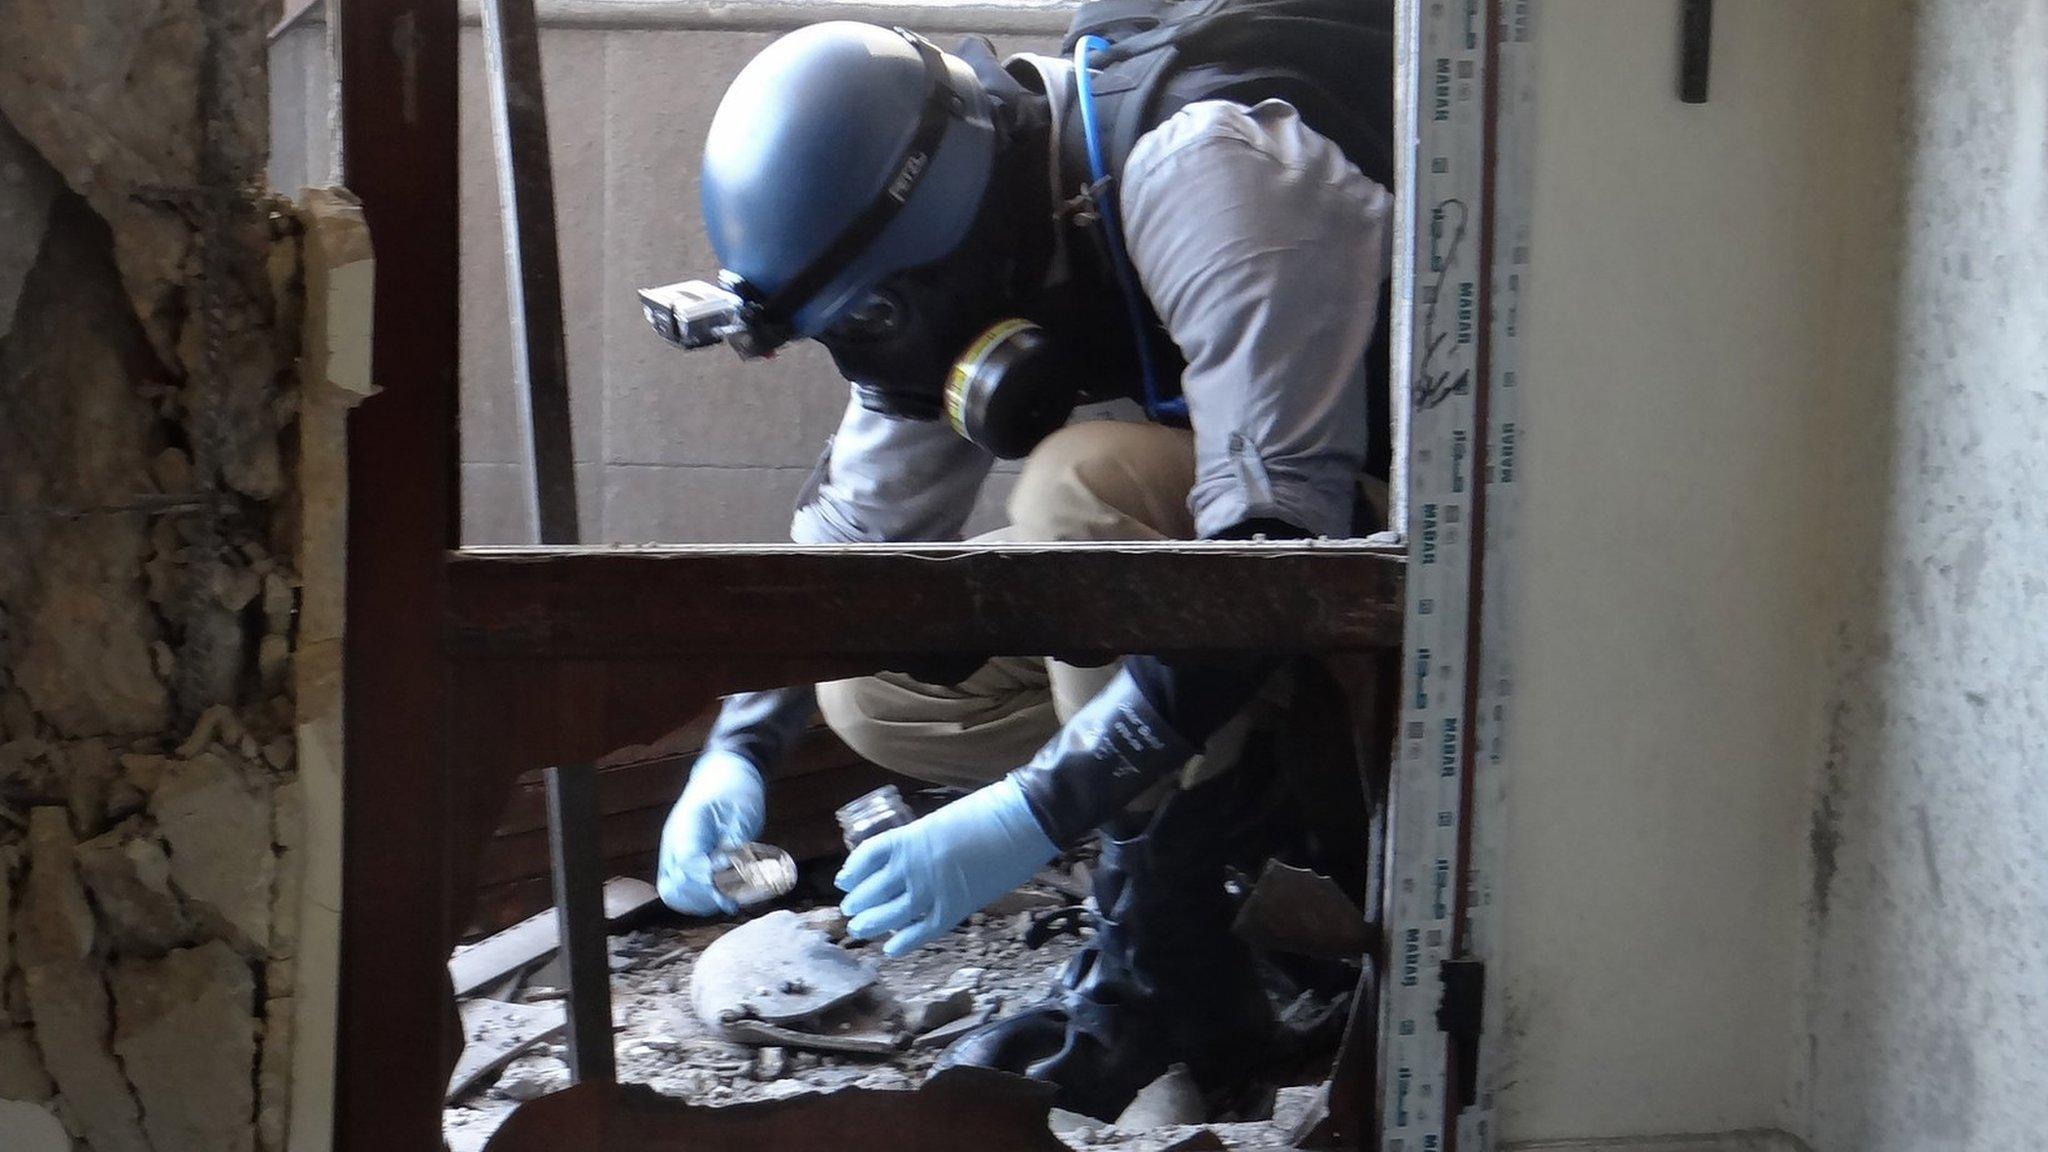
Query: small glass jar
754,874
872,814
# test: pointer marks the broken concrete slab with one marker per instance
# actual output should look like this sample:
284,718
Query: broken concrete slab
22,1075
494,1033
776,969
185,1029
130,879
55,923
68,1002
217,823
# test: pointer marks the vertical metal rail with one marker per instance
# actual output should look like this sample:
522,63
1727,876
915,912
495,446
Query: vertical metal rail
533,264
1465,71
578,875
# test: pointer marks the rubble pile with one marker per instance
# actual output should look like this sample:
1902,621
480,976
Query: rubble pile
149,585
782,1005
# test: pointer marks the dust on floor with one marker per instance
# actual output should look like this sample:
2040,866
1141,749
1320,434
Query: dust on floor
661,1043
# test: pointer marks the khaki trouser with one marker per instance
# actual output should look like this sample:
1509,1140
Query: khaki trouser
1098,480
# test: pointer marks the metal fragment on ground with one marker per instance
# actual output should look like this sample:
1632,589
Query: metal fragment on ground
777,970
867,1042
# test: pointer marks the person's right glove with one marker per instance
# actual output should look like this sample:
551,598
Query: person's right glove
914,883
723,806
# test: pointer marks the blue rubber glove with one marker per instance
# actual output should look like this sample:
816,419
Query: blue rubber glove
723,806
915,883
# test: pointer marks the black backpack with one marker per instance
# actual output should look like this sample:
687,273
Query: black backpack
1333,60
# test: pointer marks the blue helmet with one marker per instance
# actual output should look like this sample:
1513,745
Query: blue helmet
843,153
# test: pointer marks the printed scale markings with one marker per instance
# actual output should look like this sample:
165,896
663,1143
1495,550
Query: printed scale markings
1467,74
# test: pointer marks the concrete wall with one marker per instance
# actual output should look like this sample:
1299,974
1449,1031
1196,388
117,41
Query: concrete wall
1928,1027
670,447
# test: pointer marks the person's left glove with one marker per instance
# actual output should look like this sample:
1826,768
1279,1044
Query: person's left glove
915,883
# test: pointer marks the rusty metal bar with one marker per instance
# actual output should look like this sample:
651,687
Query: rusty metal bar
533,266
707,603
578,868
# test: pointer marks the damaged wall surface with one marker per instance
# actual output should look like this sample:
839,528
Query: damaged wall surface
1929,885
149,581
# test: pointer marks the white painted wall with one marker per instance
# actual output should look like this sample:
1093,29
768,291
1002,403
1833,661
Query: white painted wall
1672,596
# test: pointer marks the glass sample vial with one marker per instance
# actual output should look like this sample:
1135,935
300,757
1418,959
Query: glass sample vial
754,874
874,813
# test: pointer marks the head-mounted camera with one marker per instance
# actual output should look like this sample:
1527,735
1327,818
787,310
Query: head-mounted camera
698,314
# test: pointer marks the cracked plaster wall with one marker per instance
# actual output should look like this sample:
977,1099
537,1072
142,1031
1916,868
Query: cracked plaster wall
150,586
1927,1020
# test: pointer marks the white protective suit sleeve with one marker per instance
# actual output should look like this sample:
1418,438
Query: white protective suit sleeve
1263,250
885,480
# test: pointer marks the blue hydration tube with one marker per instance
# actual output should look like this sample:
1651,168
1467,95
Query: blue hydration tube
1156,406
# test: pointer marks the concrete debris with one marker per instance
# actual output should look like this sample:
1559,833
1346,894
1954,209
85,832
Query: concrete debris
217,824
1172,1099
55,923
524,1088
72,1020
22,1075
26,1127
83,653
494,1033
274,1076
172,471
273,662
27,189
142,770
925,1013
216,725
130,879
771,1063
90,773
279,601
185,1030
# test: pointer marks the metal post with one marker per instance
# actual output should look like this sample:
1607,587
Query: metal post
533,266
578,876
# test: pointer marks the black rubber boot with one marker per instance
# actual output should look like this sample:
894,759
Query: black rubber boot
1163,982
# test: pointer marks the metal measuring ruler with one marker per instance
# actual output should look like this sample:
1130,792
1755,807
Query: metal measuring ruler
1466,69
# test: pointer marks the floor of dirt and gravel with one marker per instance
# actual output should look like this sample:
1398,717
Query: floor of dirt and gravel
660,1042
